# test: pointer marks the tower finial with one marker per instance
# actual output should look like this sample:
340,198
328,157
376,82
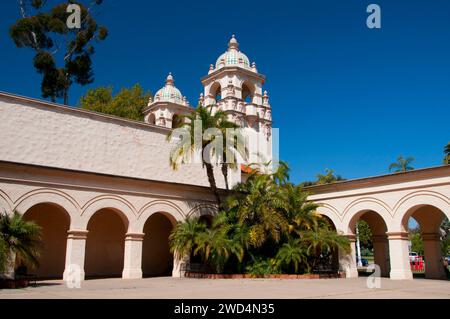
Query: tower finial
233,44
169,80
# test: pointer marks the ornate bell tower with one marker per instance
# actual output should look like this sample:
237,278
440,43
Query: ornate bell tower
234,86
167,105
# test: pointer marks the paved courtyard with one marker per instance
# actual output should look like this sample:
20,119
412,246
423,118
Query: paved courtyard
229,288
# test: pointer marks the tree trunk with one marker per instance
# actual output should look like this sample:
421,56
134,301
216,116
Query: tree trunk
225,175
8,273
66,96
212,182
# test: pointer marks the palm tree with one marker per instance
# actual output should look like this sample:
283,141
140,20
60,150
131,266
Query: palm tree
300,212
209,120
323,240
328,177
447,154
260,205
21,240
216,247
402,164
231,150
3,255
183,239
292,253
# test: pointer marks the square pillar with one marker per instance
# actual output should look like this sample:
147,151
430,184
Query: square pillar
399,256
434,266
132,268
75,253
347,261
381,253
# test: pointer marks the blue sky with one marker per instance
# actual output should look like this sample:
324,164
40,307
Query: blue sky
344,96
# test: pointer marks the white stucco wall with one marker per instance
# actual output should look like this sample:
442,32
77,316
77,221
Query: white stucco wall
56,136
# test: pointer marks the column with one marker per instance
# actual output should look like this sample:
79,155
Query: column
399,253
75,252
434,267
179,265
132,268
381,253
347,261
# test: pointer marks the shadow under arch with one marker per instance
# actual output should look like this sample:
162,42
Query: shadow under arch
105,244
54,221
157,259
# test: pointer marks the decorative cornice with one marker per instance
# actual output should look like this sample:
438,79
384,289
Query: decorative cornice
398,235
77,234
134,236
232,69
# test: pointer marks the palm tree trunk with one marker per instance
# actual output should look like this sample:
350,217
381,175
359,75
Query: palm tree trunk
10,265
225,175
212,182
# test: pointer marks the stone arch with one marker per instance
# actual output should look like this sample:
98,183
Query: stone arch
151,119
53,196
6,203
121,206
248,91
176,120
157,259
105,244
429,211
202,210
369,211
170,209
331,213
215,91
358,207
406,205
54,221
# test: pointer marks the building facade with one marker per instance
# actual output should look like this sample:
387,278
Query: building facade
104,192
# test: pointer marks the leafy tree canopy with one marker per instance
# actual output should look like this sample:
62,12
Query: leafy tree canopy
266,226
327,178
402,164
62,55
127,103
447,154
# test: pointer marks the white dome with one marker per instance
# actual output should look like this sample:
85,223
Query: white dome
169,93
233,57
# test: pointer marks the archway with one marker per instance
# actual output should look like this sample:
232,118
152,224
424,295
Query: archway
176,121
157,260
152,119
377,239
55,222
427,220
105,244
216,92
247,92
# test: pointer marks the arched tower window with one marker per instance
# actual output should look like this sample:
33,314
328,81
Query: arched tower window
176,121
216,91
152,119
248,91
